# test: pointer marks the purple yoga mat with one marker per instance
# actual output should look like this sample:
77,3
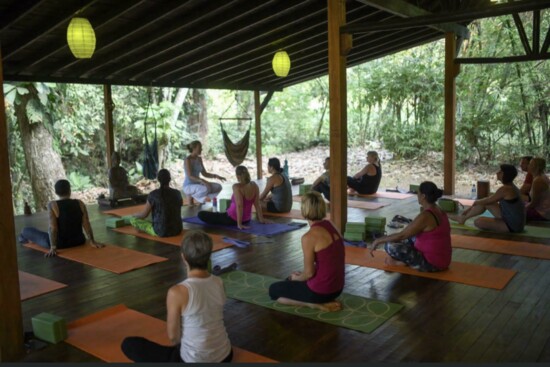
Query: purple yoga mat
256,228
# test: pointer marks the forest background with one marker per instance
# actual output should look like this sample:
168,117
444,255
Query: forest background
395,105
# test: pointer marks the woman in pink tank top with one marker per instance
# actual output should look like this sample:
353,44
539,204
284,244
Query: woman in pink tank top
322,279
425,244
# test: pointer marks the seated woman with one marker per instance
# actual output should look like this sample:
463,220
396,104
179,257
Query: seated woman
505,204
366,181
425,244
118,180
245,195
280,200
165,205
322,280
194,313
67,218
194,186
322,183
539,206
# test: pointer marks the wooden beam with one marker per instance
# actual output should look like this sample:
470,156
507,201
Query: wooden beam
407,10
457,16
546,43
536,31
338,114
109,136
522,34
17,11
11,321
258,128
502,60
451,72
266,100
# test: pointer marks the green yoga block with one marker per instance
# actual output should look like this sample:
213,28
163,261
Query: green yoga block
448,205
375,221
414,188
127,219
50,328
223,205
357,227
354,236
305,188
115,222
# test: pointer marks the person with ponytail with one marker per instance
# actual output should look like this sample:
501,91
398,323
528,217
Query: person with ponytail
164,204
280,199
366,181
425,244
245,195
194,186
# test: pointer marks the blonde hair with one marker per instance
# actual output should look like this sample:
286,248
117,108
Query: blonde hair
242,172
313,206
374,153
191,146
539,163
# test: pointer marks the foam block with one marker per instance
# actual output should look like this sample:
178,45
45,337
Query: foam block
305,188
414,188
223,204
50,328
115,222
354,236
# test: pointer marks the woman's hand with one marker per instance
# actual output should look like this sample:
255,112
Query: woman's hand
375,245
295,275
222,179
96,244
51,253
242,226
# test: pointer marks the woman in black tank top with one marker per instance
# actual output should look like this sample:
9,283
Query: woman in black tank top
366,181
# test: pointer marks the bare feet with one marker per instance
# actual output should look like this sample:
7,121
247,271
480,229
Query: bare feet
457,218
392,262
352,192
329,306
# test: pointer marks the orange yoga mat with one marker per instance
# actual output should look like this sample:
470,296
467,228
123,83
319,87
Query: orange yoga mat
115,259
387,195
174,240
471,274
498,246
100,334
128,210
31,285
354,203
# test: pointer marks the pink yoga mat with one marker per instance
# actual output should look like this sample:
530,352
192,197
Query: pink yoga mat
31,285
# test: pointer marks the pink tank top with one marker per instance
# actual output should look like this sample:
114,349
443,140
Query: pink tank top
247,208
329,264
435,245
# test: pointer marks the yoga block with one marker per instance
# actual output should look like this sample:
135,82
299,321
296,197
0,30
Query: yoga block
353,236
50,328
414,188
115,222
305,188
375,221
127,219
223,205
448,205
357,227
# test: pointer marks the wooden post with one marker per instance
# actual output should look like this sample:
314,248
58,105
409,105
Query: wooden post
451,71
109,137
11,321
258,126
338,112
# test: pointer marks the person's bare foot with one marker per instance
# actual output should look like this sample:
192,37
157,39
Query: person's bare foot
329,306
457,218
392,262
352,192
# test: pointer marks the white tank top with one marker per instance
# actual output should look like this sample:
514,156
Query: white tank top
203,335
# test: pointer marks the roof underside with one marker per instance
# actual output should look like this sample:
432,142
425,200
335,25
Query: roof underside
225,44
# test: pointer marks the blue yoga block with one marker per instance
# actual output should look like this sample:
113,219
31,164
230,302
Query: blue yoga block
50,328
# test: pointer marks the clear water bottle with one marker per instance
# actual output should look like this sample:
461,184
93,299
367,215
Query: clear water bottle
474,192
215,204
285,168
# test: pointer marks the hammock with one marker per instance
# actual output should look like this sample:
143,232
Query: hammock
235,152
151,155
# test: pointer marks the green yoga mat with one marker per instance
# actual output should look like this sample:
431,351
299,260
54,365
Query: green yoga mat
358,313
531,231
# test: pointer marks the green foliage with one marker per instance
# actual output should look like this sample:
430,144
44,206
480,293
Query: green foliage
79,182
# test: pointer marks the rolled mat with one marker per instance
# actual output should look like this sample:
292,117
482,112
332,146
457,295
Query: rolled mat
369,205
100,334
517,248
255,228
31,285
471,274
358,313
387,195
529,231
173,240
115,259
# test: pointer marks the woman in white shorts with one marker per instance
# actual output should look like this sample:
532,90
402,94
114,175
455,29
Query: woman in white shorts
194,186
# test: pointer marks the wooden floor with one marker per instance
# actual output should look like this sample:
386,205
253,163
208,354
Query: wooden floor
440,322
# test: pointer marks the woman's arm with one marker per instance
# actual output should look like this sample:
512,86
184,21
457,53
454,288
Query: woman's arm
537,188
53,214
239,204
257,205
176,301
368,169
143,214
308,249
208,174
419,224
268,186
495,198
88,227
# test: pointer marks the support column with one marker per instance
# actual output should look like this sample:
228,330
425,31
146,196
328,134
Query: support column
338,113
11,321
109,137
258,127
449,151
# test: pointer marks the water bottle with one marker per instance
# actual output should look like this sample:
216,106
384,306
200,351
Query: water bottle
285,168
215,204
474,192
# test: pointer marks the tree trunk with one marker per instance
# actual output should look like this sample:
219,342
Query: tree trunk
197,119
42,161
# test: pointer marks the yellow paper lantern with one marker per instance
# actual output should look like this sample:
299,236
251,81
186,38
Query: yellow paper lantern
281,63
81,38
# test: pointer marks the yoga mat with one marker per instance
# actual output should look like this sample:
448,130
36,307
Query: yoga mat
31,285
369,205
470,274
128,210
115,259
100,334
256,228
531,231
358,313
173,240
498,246
387,195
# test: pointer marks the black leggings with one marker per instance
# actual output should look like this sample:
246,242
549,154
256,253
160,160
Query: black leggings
324,189
217,218
364,186
139,349
299,291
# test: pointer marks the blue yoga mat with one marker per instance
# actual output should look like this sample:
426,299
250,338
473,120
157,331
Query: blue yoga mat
256,228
